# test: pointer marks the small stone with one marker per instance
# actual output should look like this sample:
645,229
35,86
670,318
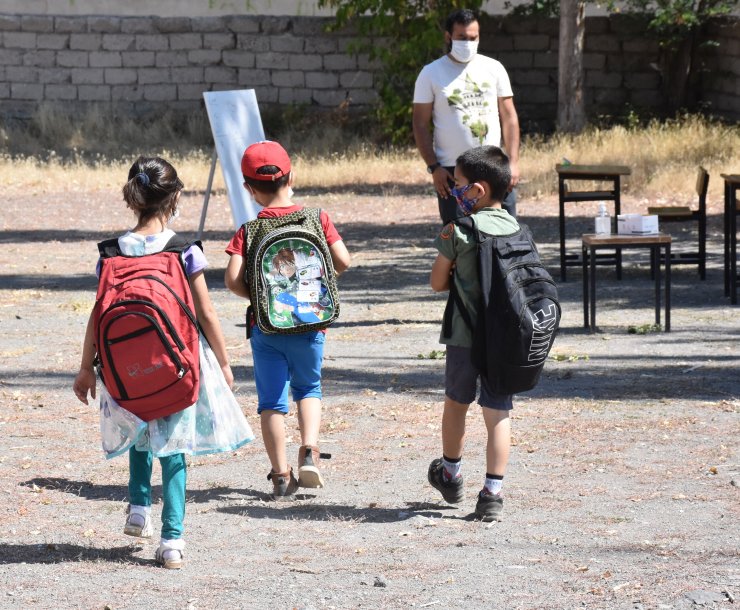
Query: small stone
379,582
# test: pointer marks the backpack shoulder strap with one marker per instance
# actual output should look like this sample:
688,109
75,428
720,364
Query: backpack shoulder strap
454,296
315,213
465,221
468,223
177,243
109,248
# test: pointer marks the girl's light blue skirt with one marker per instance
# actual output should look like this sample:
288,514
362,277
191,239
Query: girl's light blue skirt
213,424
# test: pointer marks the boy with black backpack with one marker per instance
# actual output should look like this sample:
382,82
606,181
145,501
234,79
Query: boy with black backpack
286,262
469,265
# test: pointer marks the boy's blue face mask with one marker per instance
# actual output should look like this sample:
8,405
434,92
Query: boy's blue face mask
465,204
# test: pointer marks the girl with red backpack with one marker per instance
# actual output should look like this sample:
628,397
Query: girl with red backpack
156,342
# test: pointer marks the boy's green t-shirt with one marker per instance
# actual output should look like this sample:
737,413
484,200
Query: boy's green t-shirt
459,246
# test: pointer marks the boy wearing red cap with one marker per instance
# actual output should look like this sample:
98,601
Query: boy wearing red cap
283,361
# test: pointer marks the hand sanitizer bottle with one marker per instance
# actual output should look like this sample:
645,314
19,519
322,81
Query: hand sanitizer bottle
603,221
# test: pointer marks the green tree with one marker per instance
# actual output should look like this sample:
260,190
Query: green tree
403,35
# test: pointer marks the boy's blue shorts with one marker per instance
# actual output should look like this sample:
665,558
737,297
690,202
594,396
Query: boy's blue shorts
460,382
282,361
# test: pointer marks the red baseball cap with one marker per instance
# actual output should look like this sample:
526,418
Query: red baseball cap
264,153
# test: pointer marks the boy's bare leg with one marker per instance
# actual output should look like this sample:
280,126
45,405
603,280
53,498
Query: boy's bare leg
498,445
309,420
453,428
444,473
273,435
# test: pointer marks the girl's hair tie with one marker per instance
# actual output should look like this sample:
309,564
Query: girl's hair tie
142,179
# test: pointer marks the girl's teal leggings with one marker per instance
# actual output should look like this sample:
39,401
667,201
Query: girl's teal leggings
173,488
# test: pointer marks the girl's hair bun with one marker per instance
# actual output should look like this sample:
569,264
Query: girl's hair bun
142,179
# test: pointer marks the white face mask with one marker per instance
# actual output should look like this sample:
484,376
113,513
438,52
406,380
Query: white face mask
464,50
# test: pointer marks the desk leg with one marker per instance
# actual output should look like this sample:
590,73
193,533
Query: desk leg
617,212
726,223
733,243
592,292
667,287
561,190
584,267
655,252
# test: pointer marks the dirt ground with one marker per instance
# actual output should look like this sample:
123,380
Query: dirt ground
623,486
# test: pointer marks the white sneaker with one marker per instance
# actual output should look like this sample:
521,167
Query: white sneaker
170,553
138,521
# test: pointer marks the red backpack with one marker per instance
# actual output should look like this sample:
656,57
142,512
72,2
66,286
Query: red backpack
146,334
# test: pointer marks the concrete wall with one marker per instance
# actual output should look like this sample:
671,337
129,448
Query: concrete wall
144,64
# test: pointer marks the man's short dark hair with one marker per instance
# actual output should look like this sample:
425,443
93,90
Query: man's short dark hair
267,186
463,16
488,164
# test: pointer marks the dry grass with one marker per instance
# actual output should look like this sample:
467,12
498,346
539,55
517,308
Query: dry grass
664,156
95,152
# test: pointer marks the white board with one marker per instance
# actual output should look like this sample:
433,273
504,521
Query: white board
235,124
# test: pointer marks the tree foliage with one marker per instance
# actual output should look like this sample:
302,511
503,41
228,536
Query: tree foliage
403,36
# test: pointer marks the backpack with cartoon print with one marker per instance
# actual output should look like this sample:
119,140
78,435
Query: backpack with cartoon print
290,273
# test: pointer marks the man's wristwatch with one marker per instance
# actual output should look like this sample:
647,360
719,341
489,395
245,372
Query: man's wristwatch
433,166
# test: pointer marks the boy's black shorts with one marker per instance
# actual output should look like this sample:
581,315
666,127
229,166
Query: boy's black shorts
460,382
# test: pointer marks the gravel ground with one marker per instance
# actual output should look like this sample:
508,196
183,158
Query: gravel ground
622,490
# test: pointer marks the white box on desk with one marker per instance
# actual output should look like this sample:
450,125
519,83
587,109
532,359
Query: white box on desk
637,224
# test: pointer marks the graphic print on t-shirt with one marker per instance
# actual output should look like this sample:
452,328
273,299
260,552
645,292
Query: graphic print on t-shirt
471,103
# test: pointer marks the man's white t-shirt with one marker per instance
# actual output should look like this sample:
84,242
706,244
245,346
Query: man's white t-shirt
465,97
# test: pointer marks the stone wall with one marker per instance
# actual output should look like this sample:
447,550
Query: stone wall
144,64
720,83
621,65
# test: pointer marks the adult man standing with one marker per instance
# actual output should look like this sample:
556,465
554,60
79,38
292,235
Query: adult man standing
467,98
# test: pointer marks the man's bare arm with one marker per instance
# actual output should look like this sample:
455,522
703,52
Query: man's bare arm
422,120
510,131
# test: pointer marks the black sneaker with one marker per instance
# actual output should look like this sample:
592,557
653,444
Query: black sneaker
489,507
452,490
284,485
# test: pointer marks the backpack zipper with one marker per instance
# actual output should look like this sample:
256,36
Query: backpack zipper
154,325
158,309
182,303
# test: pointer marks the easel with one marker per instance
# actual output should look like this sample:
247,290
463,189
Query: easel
235,123
207,196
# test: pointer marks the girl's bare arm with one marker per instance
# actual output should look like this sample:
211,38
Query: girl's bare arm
209,323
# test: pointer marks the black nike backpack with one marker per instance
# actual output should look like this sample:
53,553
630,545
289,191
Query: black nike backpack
519,312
